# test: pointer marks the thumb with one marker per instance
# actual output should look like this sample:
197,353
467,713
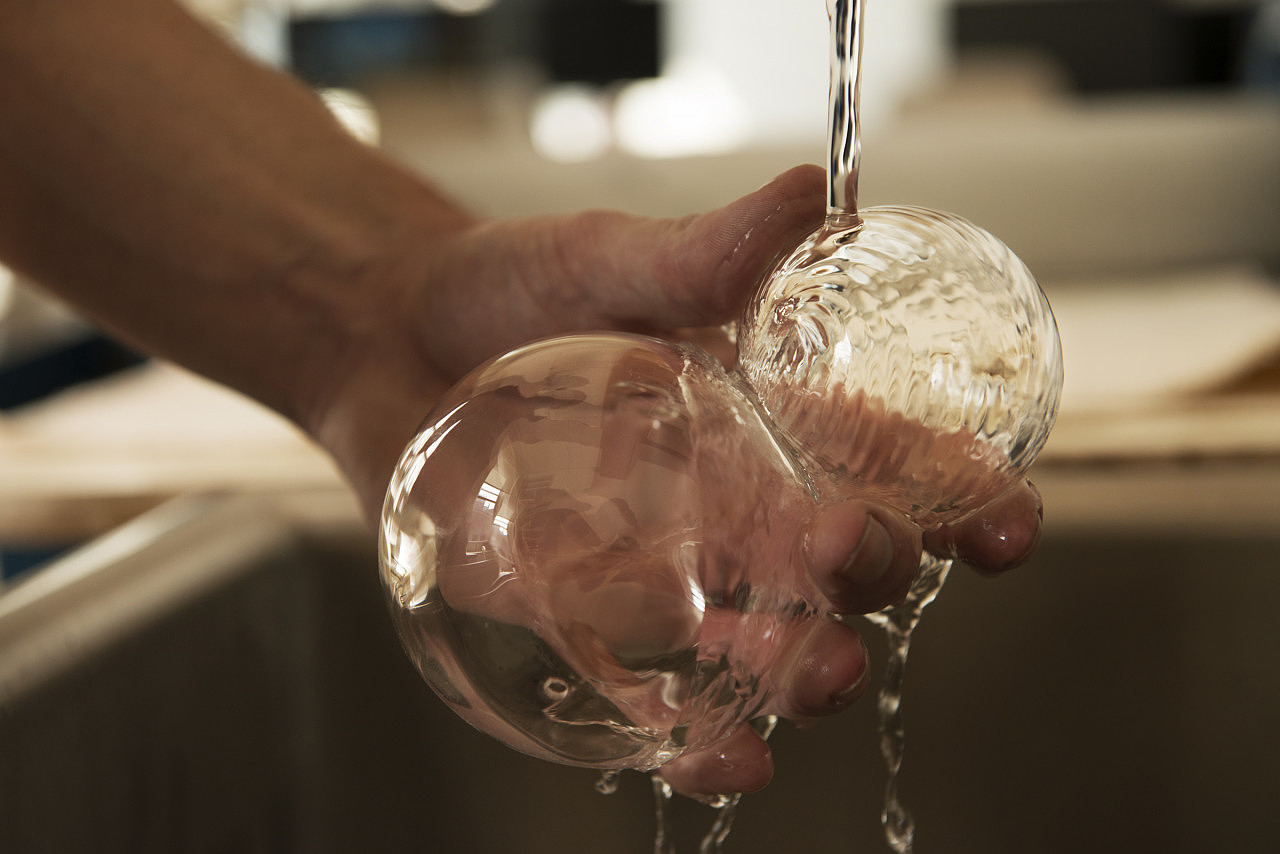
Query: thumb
700,270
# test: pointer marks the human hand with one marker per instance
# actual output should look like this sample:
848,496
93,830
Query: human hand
482,288
864,557
476,289
860,553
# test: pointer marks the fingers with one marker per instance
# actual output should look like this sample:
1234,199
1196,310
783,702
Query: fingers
861,556
1002,535
828,672
739,763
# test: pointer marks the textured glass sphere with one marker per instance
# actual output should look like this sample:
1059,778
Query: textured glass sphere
907,356
591,547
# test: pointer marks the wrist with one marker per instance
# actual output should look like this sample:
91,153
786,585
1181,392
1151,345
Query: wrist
363,384
346,288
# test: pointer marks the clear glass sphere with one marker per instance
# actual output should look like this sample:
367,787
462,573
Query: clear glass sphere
582,554
591,548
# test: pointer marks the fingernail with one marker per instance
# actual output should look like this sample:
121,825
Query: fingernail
873,556
847,696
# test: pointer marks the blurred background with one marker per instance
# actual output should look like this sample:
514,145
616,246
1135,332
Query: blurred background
1115,696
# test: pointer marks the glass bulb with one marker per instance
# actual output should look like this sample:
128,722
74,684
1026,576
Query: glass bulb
907,356
582,554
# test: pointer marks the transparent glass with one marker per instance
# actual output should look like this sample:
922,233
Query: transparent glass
907,356
583,553
591,547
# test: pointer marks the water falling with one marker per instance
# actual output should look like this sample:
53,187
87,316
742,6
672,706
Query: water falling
899,621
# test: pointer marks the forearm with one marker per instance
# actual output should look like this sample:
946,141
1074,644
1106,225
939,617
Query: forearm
200,206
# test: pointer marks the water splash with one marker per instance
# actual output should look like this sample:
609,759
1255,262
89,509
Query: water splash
607,784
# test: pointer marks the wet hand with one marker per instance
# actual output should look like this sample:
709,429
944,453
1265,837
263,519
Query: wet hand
863,557
486,287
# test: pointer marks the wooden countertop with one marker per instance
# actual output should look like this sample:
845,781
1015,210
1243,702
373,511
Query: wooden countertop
81,462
